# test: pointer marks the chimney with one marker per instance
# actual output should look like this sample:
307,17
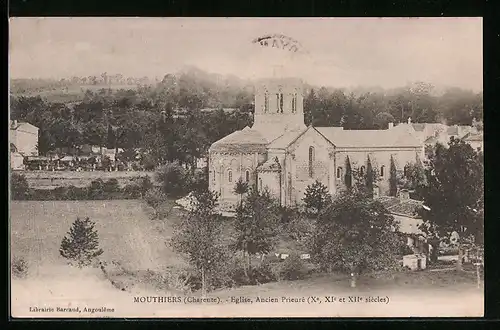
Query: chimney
391,125
404,195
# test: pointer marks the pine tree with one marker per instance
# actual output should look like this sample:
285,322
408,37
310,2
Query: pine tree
348,174
81,245
316,197
369,177
393,180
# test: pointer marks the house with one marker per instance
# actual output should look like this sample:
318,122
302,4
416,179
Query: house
24,137
475,140
405,213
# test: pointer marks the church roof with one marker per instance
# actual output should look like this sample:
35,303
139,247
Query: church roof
244,141
370,138
287,138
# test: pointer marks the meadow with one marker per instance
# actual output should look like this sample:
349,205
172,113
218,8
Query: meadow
126,232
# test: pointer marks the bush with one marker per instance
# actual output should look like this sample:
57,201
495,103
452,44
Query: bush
291,269
155,197
174,179
18,186
19,267
111,186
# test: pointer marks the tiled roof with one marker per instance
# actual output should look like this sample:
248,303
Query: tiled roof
401,137
20,124
452,130
246,140
473,137
285,140
408,207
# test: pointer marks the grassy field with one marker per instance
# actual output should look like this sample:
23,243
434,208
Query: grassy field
127,234
131,238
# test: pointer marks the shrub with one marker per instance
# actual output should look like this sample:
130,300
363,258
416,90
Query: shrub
155,197
81,245
96,189
173,179
18,186
19,267
292,268
111,186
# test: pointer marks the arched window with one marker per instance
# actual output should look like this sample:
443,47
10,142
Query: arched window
294,103
382,171
266,102
230,176
339,172
362,170
281,102
260,184
311,161
247,176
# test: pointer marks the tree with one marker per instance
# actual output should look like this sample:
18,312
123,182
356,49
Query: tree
414,177
81,245
241,188
154,197
370,177
356,234
199,236
454,195
382,120
348,174
18,186
173,178
393,179
256,223
316,197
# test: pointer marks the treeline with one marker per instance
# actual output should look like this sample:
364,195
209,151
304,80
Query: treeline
166,122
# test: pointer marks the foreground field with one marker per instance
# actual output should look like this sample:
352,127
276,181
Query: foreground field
127,234
129,237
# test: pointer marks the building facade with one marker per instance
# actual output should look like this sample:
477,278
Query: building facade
24,137
280,154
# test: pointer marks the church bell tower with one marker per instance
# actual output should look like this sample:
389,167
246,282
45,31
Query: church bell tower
278,106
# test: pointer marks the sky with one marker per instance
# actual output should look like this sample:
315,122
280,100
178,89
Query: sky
339,52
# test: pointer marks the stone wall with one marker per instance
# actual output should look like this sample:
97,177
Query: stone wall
222,164
379,157
322,164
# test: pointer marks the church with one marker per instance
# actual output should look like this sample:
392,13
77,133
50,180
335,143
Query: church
281,154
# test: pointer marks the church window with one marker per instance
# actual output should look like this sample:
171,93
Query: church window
247,176
311,161
266,102
362,170
294,103
230,176
279,102
260,184
382,171
339,172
